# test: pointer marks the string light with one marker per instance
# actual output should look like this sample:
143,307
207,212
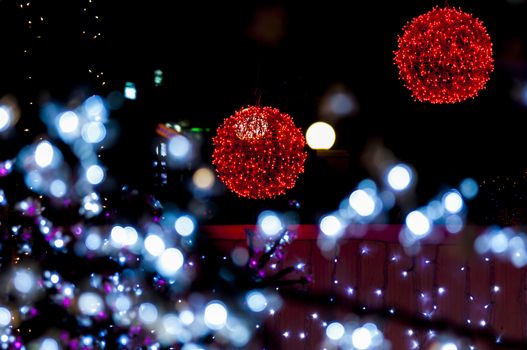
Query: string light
91,32
444,56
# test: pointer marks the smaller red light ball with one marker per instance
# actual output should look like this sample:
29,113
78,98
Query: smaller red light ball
444,56
259,152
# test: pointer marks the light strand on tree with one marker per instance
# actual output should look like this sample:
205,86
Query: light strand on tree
92,34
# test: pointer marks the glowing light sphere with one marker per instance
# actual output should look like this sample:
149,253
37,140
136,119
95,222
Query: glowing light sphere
95,174
170,261
69,122
122,303
180,147
24,281
269,223
93,132
469,188
335,331
49,344
203,178
5,317
331,226
399,177
154,245
259,152
362,202
186,317
418,223
147,313
57,188
90,303
320,135
361,338
44,154
185,225
6,118
256,301
449,346
215,315
444,56
453,202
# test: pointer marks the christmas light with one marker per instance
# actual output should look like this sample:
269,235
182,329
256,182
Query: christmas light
130,92
259,152
418,223
320,135
452,202
399,177
444,56
215,315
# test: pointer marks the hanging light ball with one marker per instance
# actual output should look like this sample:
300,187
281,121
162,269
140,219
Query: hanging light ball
259,152
444,56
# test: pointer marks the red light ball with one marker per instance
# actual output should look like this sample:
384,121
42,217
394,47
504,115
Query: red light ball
444,56
259,152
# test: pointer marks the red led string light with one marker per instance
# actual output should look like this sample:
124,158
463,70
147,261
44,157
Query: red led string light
444,56
259,152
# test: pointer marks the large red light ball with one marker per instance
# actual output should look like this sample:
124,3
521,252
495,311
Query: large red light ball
259,152
444,56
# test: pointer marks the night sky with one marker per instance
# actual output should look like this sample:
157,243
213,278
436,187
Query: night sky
214,57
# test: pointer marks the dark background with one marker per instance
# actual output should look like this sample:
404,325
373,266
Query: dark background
214,59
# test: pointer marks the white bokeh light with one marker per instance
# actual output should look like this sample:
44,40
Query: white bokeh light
179,147
341,103
95,174
256,301
331,226
448,346
148,313
186,317
5,316
362,202
184,225
90,304
469,188
69,122
24,281
320,135
118,236
270,223
95,108
499,242
418,223
44,154
169,262
93,241
154,245
452,202
122,303
57,188
361,338
131,236
93,132
6,117
335,331
399,177
49,344
215,315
